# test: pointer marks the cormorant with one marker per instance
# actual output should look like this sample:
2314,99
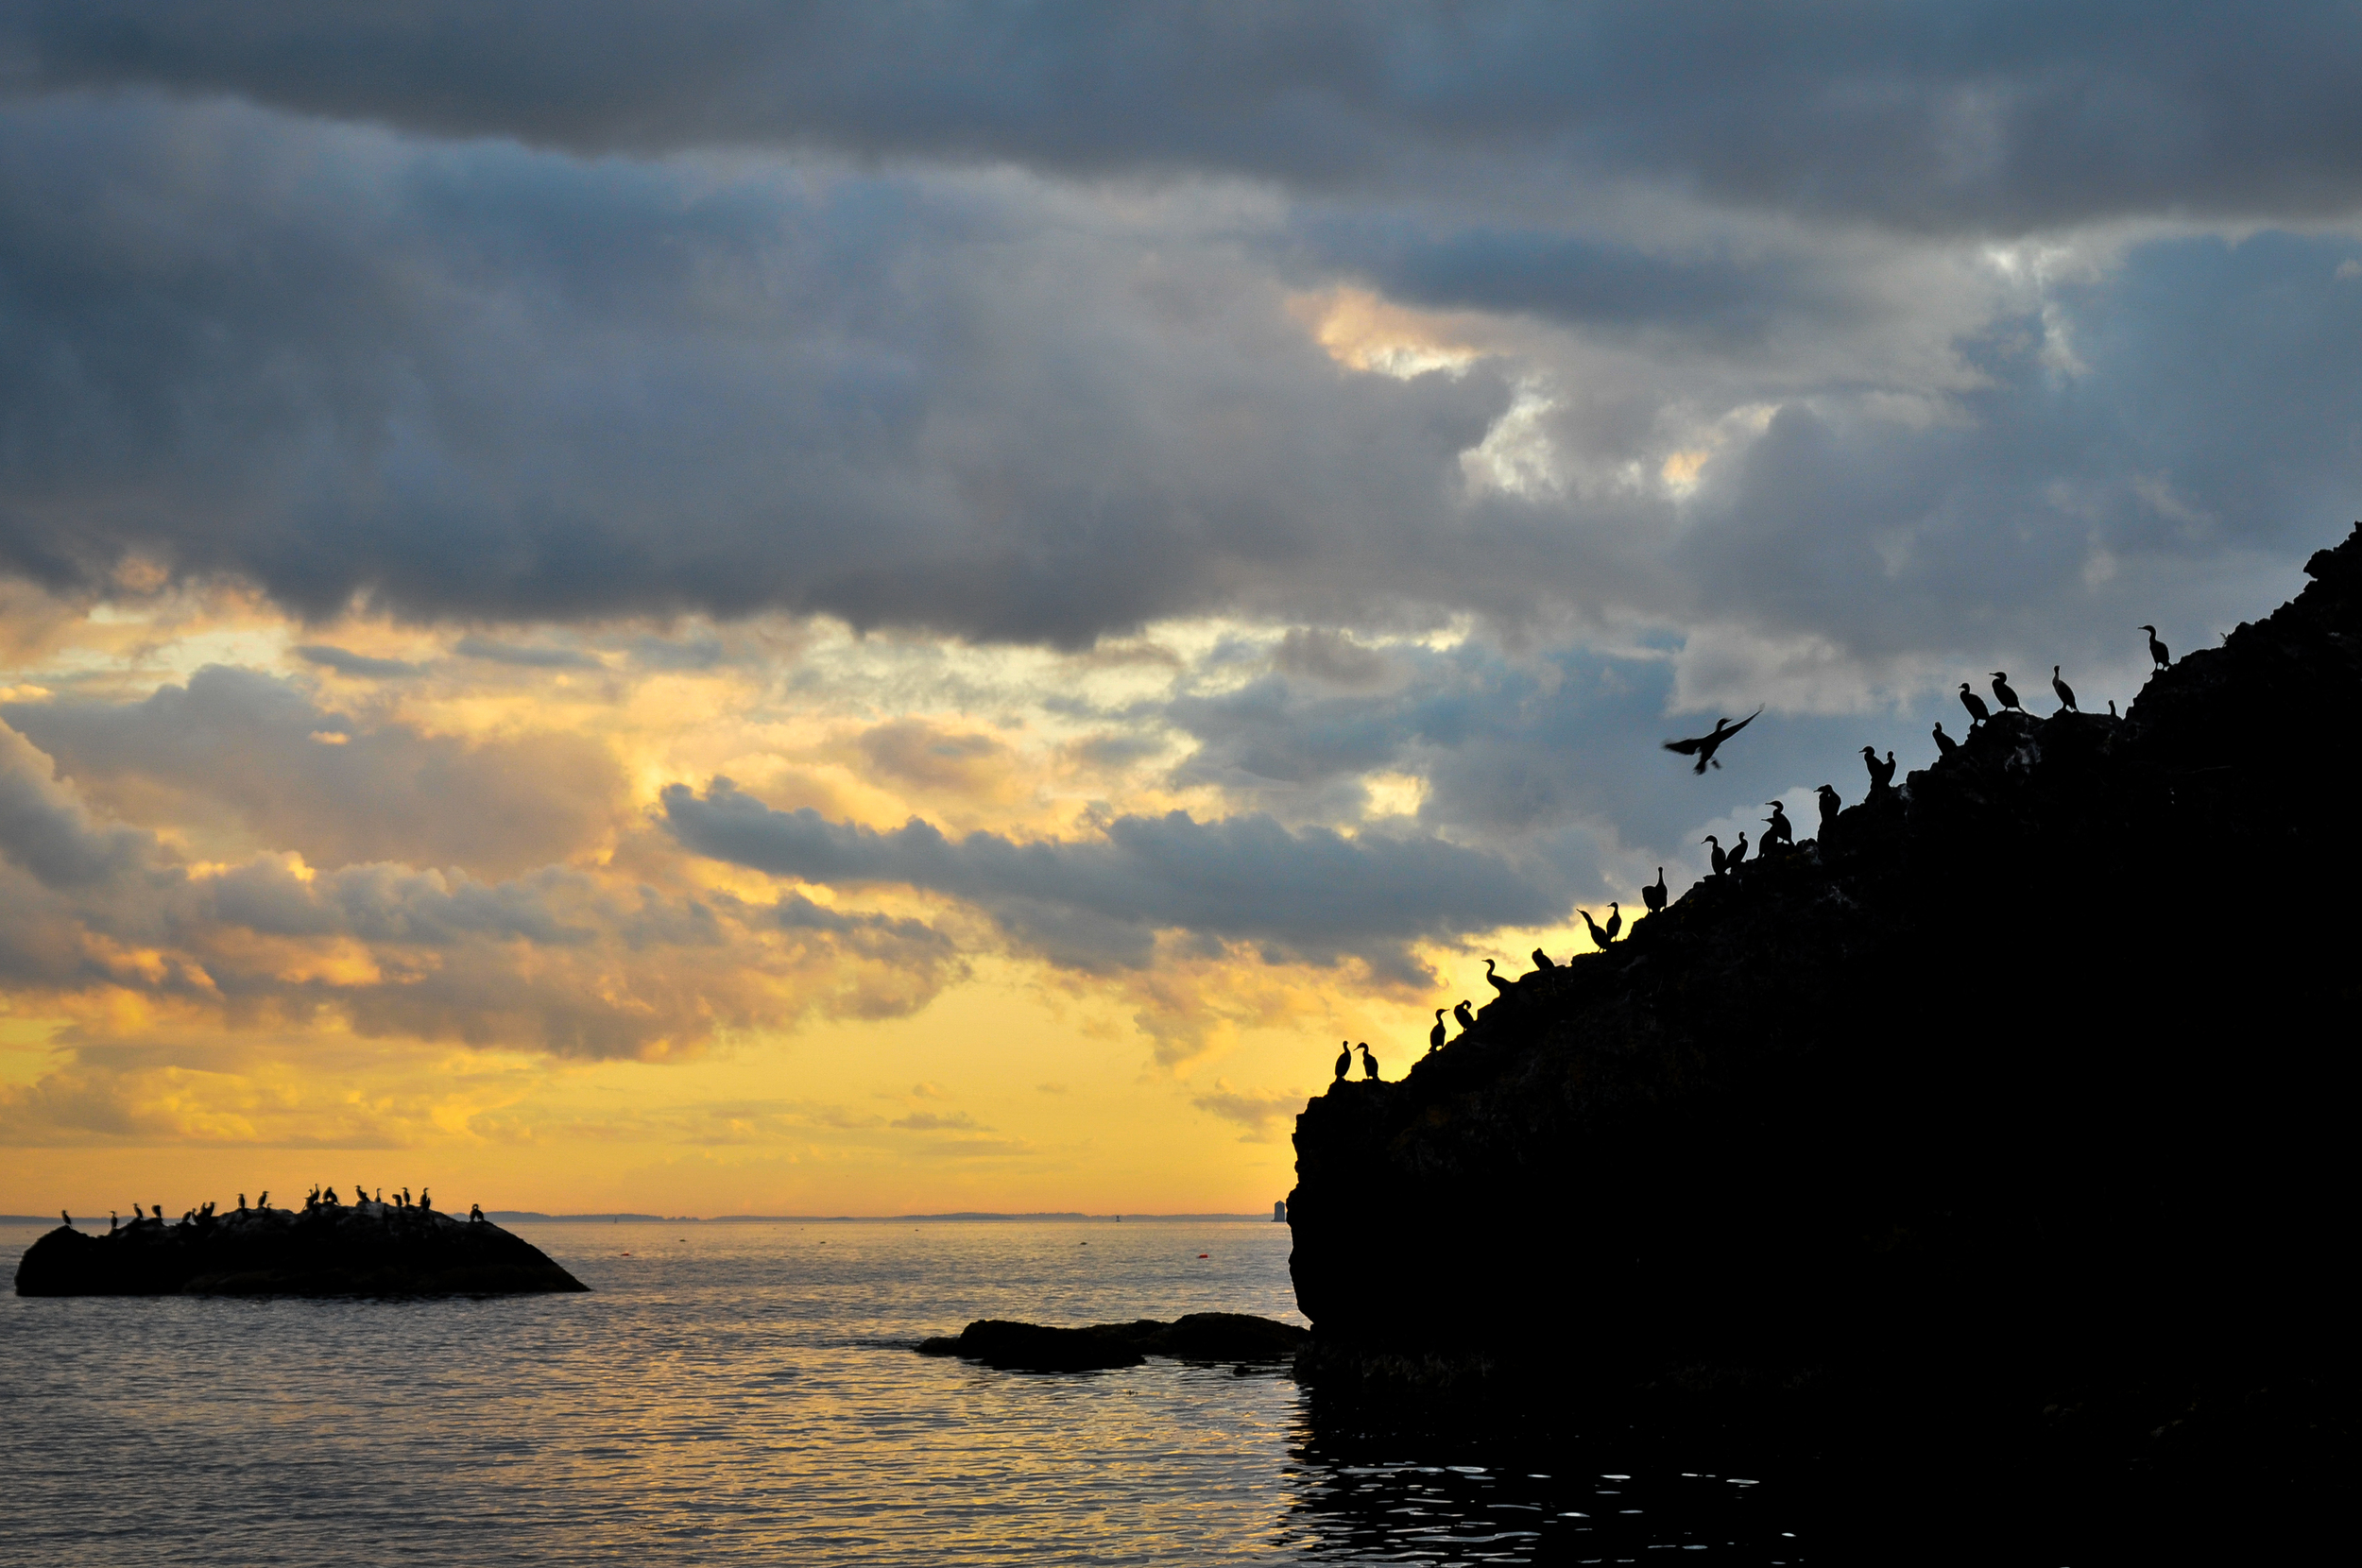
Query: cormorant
110,1221
1738,852
1460,1010
329,1197
67,1218
2066,693
425,1204
263,1202
1344,1060
1706,745
1946,746
1542,960
1721,860
2111,708
1830,806
1599,937
475,1214
1881,773
2001,690
1504,987
1975,706
1369,1062
1435,1035
1653,894
1781,832
2157,649
242,1202
1615,918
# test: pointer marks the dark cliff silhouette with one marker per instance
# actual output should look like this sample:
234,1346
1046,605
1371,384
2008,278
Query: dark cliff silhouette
1819,1126
365,1249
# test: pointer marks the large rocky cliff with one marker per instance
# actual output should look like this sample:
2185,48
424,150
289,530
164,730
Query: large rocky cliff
2033,1063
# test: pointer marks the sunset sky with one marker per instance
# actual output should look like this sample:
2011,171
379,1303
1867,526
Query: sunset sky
713,608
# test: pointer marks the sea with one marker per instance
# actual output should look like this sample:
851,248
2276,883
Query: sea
749,1392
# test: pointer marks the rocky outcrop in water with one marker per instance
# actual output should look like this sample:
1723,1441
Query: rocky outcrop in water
1196,1337
2030,1070
359,1250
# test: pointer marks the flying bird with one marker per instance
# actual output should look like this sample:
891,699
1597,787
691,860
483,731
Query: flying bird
1946,746
2157,649
1975,706
1653,894
1703,746
2001,690
2066,693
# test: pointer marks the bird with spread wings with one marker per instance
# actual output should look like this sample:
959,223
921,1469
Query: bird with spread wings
1703,746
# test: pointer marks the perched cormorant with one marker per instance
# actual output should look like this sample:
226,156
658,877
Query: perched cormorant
67,1218
1881,773
1975,706
1435,1035
426,1204
1369,1062
1460,1010
1503,986
1344,1060
475,1214
2111,708
110,1221
1615,918
2001,690
242,1202
329,1197
1542,960
1706,745
1738,852
1653,894
1830,806
1599,937
1721,858
2157,649
1777,822
1946,746
263,1202
2066,693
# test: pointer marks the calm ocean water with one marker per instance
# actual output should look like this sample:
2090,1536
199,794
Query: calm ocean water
745,1393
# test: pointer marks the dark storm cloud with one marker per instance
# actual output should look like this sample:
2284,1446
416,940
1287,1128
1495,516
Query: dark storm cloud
1313,893
2005,114
360,666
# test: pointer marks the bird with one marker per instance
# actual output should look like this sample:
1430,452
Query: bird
1542,960
67,1218
1435,1035
2111,708
1615,918
1503,986
1706,745
110,1221
1721,860
2001,690
1344,1060
1599,937
2066,693
1977,713
1946,746
426,1203
475,1214
1738,852
2157,649
1653,894
1369,1062
1777,822
1830,806
263,1202
1881,773
1460,1010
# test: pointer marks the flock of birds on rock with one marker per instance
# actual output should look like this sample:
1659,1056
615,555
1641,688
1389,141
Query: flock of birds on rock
317,1200
1777,831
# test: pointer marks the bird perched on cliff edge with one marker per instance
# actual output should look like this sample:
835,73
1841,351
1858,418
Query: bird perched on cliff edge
1830,806
1435,1035
1738,852
1977,713
1344,1060
1615,918
2157,649
1721,860
1460,1012
1777,822
1542,960
67,1218
1369,1062
1653,894
1946,746
1599,938
1706,745
1503,986
1881,773
2066,693
2001,690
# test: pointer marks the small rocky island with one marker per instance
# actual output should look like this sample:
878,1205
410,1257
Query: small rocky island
1195,1336
324,1249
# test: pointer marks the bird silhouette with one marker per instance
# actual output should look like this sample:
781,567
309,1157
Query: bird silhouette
1344,1060
1615,918
1977,713
1460,1010
1721,860
67,1218
1435,1035
1738,852
1881,773
1653,894
2157,649
2066,693
1777,822
1369,1062
2111,708
1503,986
1946,746
1599,938
1542,960
2001,690
1830,806
425,1204
1704,746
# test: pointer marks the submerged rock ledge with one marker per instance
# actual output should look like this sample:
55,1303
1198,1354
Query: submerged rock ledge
1196,1337
359,1250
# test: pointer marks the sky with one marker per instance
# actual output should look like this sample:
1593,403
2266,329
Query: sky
903,607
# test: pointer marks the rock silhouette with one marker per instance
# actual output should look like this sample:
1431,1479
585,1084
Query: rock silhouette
1196,1337
1804,1127
365,1249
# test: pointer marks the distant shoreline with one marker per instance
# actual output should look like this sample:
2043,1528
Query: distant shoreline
531,1217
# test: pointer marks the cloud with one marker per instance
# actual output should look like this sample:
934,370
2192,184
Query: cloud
360,666
1265,1116
494,652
